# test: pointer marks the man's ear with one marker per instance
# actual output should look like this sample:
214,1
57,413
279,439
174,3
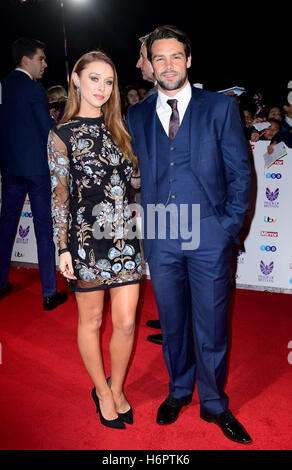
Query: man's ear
189,61
25,61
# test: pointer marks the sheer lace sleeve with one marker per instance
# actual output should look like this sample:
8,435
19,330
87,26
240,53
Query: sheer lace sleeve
59,169
136,179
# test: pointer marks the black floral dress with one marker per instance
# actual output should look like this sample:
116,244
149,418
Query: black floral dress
91,205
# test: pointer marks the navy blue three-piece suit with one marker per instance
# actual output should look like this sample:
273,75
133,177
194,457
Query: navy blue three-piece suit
207,163
25,123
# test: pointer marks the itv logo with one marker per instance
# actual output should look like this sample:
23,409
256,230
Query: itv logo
270,220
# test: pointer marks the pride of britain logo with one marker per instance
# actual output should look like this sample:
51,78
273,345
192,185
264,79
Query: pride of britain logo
266,270
23,235
272,197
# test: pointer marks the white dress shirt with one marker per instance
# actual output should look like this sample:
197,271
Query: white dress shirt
164,110
24,71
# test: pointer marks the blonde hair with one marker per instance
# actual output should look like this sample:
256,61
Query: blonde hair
111,109
57,91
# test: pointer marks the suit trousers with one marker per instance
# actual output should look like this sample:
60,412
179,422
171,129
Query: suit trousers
14,190
191,289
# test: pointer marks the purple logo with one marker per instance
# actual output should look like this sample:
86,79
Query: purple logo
272,196
267,268
23,232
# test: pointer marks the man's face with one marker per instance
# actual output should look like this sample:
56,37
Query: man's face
36,66
145,66
170,65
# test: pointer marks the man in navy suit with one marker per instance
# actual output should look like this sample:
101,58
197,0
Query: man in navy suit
195,168
25,122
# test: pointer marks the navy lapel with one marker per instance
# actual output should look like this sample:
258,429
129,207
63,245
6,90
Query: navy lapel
196,120
149,120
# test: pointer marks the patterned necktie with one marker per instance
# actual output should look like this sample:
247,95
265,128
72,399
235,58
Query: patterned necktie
174,119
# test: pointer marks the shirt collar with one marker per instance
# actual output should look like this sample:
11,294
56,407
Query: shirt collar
24,71
183,95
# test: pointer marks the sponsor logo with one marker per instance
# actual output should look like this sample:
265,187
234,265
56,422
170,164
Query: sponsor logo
240,257
274,176
23,232
265,233
26,214
269,220
272,196
18,254
278,162
266,270
268,248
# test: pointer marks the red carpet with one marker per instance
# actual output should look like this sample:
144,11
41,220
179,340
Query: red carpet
45,400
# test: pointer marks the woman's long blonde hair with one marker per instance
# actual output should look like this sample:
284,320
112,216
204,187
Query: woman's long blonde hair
111,109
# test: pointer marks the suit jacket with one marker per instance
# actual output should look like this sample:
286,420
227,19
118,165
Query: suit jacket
219,155
25,122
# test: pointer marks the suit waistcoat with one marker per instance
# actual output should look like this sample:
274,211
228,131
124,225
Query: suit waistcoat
176,183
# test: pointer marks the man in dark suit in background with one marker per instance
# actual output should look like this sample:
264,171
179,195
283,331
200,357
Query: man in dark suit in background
192,154
147,74
25,122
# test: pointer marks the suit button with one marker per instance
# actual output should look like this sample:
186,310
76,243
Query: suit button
171,163
171,148
173,196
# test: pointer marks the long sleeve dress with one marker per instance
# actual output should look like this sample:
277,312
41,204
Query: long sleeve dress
91,206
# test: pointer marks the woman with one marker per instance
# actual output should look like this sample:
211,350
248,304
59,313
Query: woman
92,168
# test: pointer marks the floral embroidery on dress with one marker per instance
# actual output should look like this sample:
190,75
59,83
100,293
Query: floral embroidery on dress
91,187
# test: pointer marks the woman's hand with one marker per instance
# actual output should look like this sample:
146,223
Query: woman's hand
65,265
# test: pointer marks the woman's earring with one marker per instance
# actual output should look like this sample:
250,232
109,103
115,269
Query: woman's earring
78,92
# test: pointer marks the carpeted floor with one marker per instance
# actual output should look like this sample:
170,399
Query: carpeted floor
45,400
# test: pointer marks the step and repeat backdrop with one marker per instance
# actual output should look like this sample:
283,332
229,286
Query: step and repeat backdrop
265,260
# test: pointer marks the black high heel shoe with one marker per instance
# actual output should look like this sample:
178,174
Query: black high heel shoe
126,417
116,423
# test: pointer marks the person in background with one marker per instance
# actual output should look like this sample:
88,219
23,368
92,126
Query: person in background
129,96
92,169
145,66
142,92
147,74
268,133
25,123
57,97
274,112
287,120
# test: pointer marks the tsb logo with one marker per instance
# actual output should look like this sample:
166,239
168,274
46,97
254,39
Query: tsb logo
274,176
268,248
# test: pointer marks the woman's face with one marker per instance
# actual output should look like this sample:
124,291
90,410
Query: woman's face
133,96
96,86
275,113
272,130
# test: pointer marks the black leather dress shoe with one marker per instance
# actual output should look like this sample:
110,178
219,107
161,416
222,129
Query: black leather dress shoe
5,290
154,324
55,300
169,410
230,426
157,339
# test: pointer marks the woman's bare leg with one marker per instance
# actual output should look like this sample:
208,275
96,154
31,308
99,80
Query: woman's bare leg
124,301
90,307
